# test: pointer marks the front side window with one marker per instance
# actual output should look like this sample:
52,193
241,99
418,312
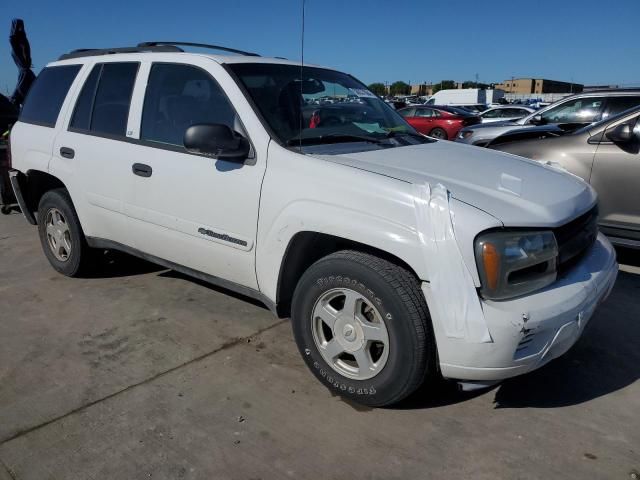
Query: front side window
492,114
179,96
424,112
103,104
313,106
47,94
579,110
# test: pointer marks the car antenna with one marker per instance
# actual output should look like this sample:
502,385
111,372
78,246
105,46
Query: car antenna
301,73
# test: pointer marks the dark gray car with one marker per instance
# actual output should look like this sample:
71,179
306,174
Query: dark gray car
605,154
569,113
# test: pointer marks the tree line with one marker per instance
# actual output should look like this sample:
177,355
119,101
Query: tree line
402,88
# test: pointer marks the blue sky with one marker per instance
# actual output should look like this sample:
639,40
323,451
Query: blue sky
411,40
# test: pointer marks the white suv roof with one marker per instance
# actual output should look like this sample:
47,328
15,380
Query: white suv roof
166,50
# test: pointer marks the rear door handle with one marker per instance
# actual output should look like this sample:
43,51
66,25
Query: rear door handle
142,170
67,152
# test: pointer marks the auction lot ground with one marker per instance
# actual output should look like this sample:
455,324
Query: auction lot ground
140,372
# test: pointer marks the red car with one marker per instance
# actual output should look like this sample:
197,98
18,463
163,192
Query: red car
438,121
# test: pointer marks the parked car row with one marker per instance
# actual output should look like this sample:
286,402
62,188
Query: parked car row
594,135
439,121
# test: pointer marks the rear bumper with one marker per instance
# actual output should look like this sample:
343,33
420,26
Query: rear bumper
17,180
530,331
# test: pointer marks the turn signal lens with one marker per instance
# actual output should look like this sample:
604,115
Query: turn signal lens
491,262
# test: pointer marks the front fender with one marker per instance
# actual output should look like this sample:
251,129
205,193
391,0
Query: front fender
301,193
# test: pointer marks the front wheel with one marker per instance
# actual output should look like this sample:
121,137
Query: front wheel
362,326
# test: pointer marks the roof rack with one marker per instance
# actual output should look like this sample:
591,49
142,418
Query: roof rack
200,45
90,52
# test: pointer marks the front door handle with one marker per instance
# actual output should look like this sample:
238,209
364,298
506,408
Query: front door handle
67,152
142,170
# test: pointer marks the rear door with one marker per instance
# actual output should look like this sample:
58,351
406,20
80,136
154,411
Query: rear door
93,150
34,134
616,178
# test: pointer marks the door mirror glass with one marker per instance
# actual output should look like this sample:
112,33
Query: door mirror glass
218,141
622,133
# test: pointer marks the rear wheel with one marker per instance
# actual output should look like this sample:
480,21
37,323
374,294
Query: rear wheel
362,326
61,235
438,133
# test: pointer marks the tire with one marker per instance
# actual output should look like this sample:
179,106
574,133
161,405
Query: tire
390,301
438,133
61,234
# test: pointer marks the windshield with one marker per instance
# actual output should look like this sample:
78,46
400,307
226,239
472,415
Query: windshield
326,107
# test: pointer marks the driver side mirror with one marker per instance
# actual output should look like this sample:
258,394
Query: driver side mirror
218,141
622,133
537,120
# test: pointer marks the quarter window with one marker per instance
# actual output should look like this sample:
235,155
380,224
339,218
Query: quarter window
616,105
179,96
103,104
47,94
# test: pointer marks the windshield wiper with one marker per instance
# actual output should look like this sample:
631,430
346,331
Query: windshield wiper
419,136
336,138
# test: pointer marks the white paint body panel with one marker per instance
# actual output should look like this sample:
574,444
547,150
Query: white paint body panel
368,197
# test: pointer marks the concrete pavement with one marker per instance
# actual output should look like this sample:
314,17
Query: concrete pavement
140,372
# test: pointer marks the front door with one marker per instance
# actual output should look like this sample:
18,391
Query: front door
187,208
616,178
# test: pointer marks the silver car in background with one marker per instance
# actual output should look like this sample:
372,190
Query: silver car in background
505,113
606,155
570,113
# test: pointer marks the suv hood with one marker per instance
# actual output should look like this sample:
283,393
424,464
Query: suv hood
515,190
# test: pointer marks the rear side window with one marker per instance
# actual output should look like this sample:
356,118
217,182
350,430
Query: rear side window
616,105
47,94
179,96
103,104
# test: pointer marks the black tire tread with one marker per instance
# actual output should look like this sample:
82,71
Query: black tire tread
407,287
85,263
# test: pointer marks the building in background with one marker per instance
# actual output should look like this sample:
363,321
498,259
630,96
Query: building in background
422,89
538,85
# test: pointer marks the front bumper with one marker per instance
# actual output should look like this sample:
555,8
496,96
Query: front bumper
530,331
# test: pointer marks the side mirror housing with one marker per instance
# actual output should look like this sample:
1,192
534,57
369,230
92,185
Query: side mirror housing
218,141
622,133
537,120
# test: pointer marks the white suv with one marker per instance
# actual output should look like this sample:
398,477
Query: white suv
398,257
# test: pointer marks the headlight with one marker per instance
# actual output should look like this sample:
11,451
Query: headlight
515,263
465,134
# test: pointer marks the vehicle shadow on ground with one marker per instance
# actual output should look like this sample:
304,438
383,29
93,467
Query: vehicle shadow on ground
113,264
215,288
606,359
